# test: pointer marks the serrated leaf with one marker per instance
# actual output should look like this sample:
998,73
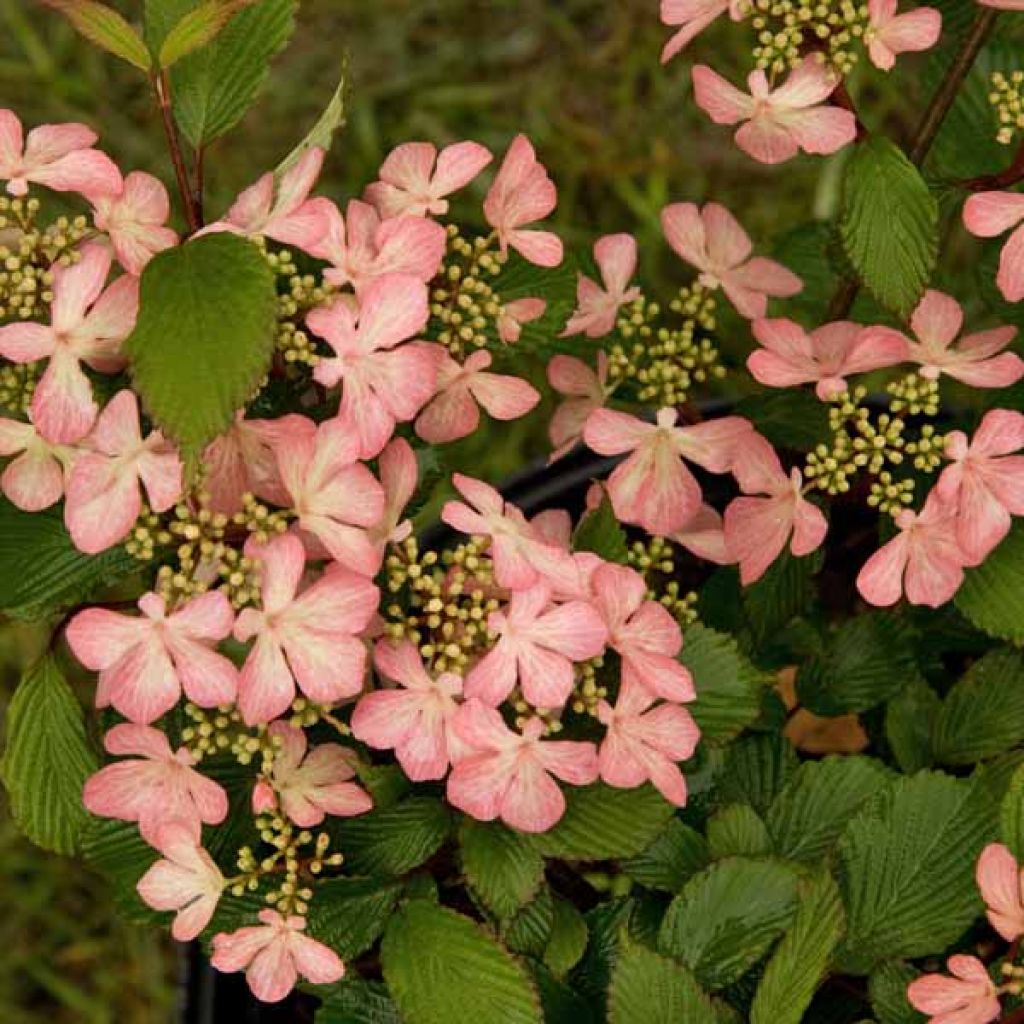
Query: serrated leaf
727,918
521,279
736,831
728,685
528,932
756,770
560,1003
676,854
602,823
443,968
350,914
204,336
502,867
47,758
212,89
887,988
122,856
606,924
867,660
789,418
198,28
599,531
1011,815
909,720
983,714
783,593
106,28
651,989
992,594
889,223
807,817
41,570
568,938
353,1001
907,869
396,839
322,133
800,962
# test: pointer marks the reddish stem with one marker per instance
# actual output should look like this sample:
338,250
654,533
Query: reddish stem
162,89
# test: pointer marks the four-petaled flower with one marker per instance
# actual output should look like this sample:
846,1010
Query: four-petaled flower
35,478
134,219
585,391
693,16
889,34
989,214
597,308
969,997
1001,884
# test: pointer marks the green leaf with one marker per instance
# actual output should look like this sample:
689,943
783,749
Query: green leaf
801,960
349,914
907,869
789,418
909,719
1011,815
983,714
560,1003
502,867
528,932
557,287
353,1001
867,660
728,686
808,816
606,924
47,758
198,28
122,856
394,840
204,337
323,132
676,854
41,570
442,968
728,917
568,938
599,531
756,770
887,988
783,593
651,989
889,223
992,594
212,89
602,823
737,830
106,28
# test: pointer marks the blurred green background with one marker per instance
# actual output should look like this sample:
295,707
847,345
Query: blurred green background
620,136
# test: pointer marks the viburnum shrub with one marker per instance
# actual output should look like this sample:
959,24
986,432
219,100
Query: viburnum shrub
744,741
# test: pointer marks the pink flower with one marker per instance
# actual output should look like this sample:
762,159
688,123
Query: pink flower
383,384
413,720
289,216
889,33
362,247
757,529
146,661
985,482
825,357
523,193
154,785
586,391
653,487
1003,5
704,536
87,325
186,880
274,955
34,480
598,308
643,632
969,997
399,474
537,645
644,744
453,412
506,775
694,16
988,214
134,217
713,241
936,324
57,156
336,498
514,314
411,183
923,559
778,122
316,784
312,640
1000,881
103,496
521,556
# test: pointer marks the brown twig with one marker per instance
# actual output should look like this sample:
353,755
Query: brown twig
162,90
1004,179
198,171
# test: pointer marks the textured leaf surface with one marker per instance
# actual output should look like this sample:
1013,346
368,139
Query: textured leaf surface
600,531
357,1002
1011,815
676,854
568,938
394,840
651,989
737,830
350,914
106,28
992,595
887,988
501,866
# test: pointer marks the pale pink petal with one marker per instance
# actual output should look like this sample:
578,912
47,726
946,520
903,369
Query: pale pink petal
719,99
999,881
880,581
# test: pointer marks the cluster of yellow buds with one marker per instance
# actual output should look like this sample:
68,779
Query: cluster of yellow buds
525,713
927,450
664,363
441,602
300,294
18,385
588,691
1014,975
29,253
786,30
221,730
914,395
655,560
891,495
465,301
1006,98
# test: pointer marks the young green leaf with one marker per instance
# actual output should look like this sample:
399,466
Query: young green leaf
992,594
443,968
322,133
599,531
47,758
890,223
204,337
651,989
502,867
106,28
198,28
